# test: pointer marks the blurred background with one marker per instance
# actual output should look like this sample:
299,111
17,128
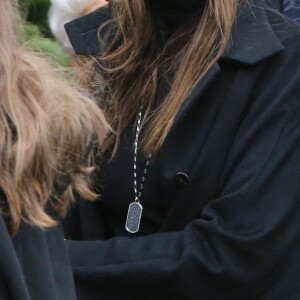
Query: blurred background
36,31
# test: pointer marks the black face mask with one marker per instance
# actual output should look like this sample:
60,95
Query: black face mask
177,12
182,4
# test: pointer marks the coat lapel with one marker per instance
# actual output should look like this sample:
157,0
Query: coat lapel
196,93
253,39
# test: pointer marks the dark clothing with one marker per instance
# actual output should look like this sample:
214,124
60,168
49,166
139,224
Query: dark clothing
291,8
176,13
34,265
277,4
221,203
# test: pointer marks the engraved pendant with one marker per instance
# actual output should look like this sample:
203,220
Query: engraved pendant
134,217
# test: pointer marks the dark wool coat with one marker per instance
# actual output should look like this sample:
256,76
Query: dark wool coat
221,203
34,264
277,4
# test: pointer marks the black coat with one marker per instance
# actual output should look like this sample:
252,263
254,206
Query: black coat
277,4
34,265
222,199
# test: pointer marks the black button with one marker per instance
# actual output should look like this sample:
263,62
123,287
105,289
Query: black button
181,179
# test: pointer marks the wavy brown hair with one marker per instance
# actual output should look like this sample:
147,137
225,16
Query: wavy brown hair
138,52
48,132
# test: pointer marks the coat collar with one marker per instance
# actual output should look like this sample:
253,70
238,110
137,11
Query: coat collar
83,32
253,39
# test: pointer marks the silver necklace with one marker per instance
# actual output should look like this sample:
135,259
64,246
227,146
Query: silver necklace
135,209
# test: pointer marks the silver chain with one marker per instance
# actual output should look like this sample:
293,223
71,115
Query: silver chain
138,190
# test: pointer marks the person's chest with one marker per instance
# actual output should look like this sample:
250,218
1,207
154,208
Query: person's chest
187,173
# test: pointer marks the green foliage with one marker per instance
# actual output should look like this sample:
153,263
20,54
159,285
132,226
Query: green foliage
37,13
34,38
36,32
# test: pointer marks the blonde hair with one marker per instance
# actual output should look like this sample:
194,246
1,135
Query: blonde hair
48,132
138,52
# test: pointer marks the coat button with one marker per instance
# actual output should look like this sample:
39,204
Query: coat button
181,179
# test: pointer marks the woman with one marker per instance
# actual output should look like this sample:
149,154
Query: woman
48,133
211,89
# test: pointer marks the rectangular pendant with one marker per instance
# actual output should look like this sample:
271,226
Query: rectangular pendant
134,216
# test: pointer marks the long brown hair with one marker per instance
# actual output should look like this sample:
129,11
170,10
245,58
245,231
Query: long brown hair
138,52
48,132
